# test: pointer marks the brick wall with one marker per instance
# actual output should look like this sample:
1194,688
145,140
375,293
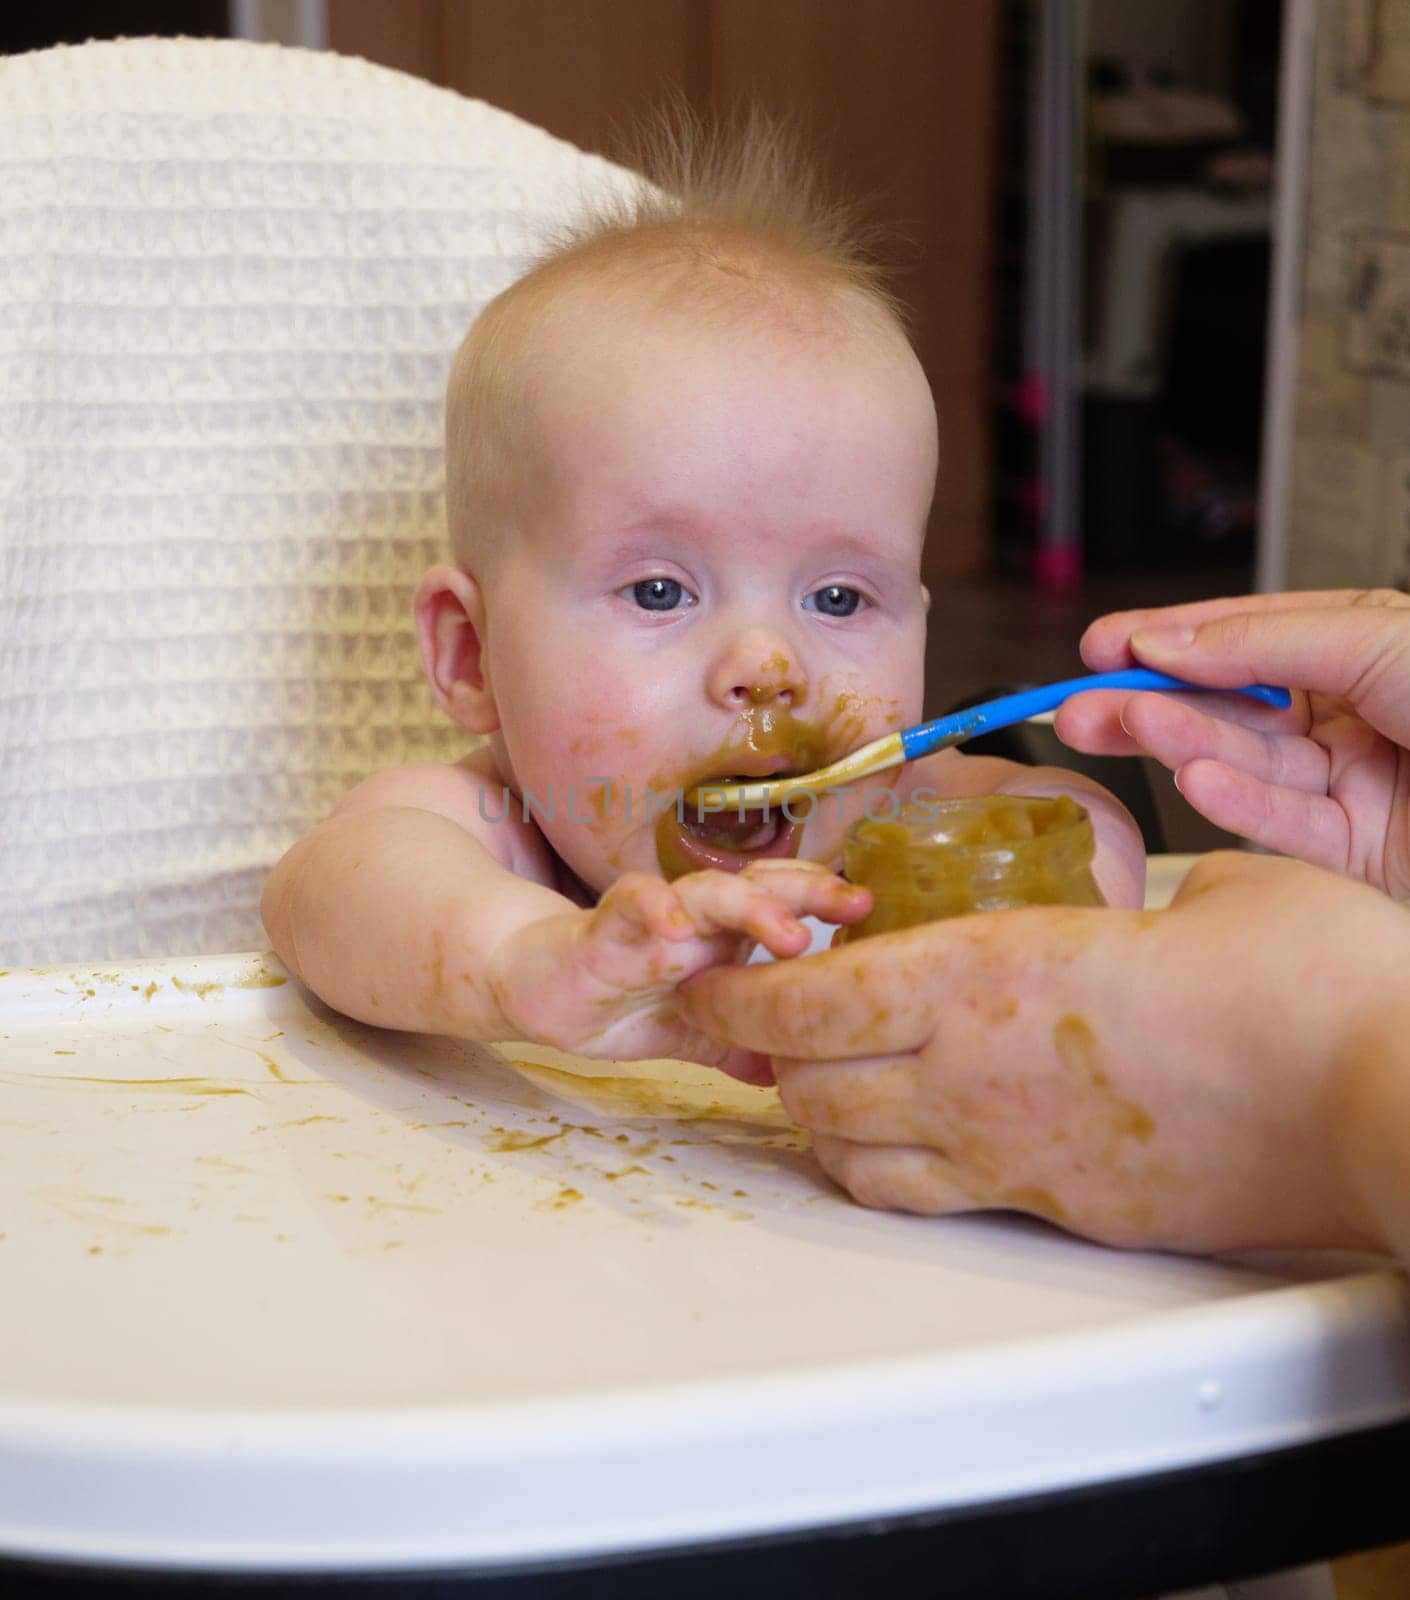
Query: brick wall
1349,514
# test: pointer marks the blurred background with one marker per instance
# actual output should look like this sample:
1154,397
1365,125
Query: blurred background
1154,250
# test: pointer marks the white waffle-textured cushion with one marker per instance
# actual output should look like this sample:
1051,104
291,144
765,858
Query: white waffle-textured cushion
232,277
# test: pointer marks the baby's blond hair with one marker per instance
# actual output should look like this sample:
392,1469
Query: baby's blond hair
727,220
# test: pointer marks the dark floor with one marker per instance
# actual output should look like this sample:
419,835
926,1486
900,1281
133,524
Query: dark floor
998,633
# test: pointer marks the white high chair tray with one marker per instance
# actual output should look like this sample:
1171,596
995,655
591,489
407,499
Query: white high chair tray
284,1292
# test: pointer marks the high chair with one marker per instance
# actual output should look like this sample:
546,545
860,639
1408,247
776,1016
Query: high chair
232,277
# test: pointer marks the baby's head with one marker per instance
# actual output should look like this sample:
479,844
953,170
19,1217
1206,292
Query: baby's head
689,461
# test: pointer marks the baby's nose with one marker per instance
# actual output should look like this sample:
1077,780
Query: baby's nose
746,677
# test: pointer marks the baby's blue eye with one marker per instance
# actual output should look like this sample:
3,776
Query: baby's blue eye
658,594
836,600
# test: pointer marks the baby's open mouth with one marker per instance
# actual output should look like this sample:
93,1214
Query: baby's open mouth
739,827
693,837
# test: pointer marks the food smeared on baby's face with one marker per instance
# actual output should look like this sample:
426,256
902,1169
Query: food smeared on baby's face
775,667
718,540
768,741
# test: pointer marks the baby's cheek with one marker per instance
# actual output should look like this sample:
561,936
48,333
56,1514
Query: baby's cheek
605,829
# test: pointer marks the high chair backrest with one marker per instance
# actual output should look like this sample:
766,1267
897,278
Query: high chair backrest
232,277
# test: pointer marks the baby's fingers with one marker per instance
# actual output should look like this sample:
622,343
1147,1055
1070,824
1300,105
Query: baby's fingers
1291,821
638,908
810,890
722,902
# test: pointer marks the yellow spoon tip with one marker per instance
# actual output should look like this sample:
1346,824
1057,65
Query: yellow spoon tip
872,758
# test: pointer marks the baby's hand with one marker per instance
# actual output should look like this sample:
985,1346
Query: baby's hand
603,982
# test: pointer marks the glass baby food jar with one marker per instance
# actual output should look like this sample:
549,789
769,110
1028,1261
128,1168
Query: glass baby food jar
946,858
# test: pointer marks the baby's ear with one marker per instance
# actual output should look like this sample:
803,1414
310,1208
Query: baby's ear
450,622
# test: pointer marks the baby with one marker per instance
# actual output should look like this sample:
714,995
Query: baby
690,458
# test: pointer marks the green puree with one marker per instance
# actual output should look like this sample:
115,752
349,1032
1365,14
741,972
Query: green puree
951,857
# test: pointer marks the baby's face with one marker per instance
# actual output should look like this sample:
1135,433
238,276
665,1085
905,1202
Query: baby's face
718,573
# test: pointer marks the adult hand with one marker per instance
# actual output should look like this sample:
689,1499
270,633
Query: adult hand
1173,1079
1327,780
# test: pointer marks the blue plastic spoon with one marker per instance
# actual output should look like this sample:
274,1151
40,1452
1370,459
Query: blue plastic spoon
927,737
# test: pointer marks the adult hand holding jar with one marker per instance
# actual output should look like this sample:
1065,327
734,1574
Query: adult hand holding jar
1231,1073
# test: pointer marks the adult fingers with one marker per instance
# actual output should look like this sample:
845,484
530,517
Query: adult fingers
895,1178
871,1099
1092,722
869,998
1359,654
887,995
1177,732
1100,721
1311,826
1106,646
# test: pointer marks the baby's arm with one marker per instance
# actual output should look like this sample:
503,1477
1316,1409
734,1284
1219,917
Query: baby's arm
375,908
408,909
1119,864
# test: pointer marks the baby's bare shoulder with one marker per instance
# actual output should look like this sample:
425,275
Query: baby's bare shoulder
470,792
451,789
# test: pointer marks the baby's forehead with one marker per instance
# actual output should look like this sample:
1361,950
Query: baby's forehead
580,359
613,356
